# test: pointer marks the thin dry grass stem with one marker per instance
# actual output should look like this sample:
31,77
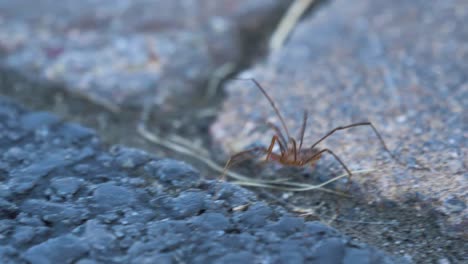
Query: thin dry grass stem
257,183
107,104
287,23
331,219
217,77
187,144
142,130
366,222
283,184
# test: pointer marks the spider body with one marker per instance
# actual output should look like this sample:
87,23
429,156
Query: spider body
292,154
305,157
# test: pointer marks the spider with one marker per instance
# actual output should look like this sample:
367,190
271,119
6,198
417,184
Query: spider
292,154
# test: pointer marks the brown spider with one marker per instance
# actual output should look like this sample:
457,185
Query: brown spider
290,153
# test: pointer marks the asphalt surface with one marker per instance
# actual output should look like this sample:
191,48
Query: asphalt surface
64,198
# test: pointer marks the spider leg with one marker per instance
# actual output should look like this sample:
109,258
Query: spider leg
272,103
294,147
376,133
319,153
283,144
236,158
304,123
269,151
241,156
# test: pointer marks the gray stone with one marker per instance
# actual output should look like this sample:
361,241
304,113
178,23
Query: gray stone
8,255
454,205
66,186
154,258
257,215
73,132
99,238
234,195
211,221
56,213
188,204
23,235
287,225
330,250
7,209
87,261
173,173
63,249
129,158
319,230
109,196
35,120
291,254
24,179
167,227
238,257
15,154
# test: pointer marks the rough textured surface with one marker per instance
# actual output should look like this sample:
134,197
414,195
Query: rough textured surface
120,52
400,64
64,199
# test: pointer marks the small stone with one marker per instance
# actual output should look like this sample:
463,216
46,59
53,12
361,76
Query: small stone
287,225
82,168
238,257
66,186
188,204
291,254
73,132
234,195
319,230
129,158
256,216
23,235
35,120
87,261
8,255
443,261
173,173
7,209
454,205
56,213
211,221
110,196
64,249
98,237
159,258
15,154
163,228
330,250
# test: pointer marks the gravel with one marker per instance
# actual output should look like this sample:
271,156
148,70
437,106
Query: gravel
64,198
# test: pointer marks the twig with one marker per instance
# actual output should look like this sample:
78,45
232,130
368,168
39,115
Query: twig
287,23
186,151
283,188
217,77
367,222
107,104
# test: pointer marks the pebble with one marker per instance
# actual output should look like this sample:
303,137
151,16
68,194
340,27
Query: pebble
63,249
173,173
